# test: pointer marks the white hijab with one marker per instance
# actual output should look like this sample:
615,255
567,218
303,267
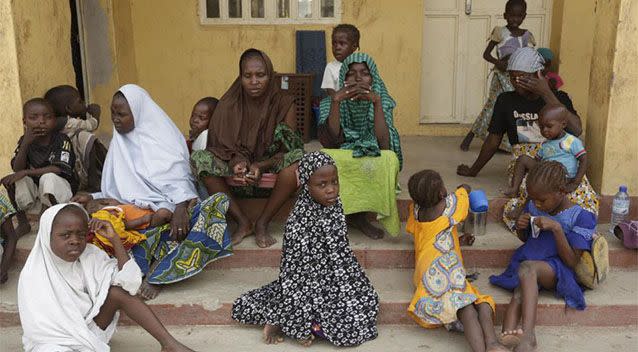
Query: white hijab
149,166
58,300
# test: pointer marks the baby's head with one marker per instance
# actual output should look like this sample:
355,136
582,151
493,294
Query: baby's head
426,188
200,116
66,100
546,184
94,205
345,41
38,115
552,121
515,13
121,114
68,233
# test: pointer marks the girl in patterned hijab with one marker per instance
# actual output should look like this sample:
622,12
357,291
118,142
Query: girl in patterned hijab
321,289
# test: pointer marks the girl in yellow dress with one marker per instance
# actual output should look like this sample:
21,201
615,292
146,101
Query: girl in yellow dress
443,296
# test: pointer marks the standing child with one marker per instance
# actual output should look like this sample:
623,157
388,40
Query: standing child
555,232
200,118
506,39
443,296
42,164
555,82
560,146
321,289
77,120
345,41
70,293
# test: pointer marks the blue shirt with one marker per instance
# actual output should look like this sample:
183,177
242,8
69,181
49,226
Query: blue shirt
566,150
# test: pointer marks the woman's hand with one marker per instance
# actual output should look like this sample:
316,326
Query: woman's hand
348,91
364,92
240,169
82,198
180,222
537,85
522,223
254,174
105,229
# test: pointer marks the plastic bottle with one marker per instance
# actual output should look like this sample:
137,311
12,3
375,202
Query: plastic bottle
619,207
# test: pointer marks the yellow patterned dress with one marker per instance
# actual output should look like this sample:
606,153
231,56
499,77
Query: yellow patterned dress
439,275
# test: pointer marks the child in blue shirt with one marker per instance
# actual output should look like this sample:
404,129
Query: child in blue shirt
560,146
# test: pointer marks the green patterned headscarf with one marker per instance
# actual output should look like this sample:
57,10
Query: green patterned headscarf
357,116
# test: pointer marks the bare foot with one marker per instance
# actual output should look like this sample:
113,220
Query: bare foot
510,338
243,230
263,239
148,291
177,347
467,239
465,145
496,347
272,334
360,222
510,192
527,344
306,342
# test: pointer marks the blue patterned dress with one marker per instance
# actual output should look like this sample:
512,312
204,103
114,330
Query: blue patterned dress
579,226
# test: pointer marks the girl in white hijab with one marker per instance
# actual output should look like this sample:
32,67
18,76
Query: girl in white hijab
70,292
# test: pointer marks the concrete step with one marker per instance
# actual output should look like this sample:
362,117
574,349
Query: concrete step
493,250
392,338
206,299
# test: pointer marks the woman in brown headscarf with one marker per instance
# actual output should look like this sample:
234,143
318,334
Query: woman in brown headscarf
251,132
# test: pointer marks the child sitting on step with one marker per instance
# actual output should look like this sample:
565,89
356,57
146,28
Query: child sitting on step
77,120
70,293
321,290
345,41
42,163
555,232
200,118
560,146
443,295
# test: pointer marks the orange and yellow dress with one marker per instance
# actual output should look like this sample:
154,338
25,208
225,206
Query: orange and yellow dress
439,275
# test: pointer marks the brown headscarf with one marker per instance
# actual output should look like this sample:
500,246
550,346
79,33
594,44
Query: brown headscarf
242,127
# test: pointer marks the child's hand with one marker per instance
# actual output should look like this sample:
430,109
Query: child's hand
9,180
105,229
545,223
522,223
502,65
94,110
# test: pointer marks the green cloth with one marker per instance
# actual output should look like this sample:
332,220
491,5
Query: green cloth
204,163
369,184
357,116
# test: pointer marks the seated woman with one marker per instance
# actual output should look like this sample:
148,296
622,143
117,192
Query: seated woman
357,119
517,113
252,132
147,166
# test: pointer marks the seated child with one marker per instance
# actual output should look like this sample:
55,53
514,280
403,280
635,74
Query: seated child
555,232
321,289
8,237
345,41
200,117
70,293
77,120
42,164
555,82
444,296
560,146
